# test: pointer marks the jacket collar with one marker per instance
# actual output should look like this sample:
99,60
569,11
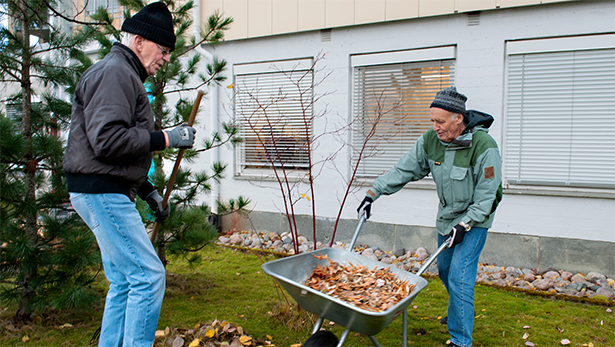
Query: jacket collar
132,58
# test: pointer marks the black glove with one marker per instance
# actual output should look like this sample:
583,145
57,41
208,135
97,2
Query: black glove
365,207
181,136
154,200
456,235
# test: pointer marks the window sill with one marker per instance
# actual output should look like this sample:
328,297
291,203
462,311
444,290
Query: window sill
269,175
595,193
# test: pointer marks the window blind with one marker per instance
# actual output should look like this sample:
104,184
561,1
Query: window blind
393,100
560,119
274,111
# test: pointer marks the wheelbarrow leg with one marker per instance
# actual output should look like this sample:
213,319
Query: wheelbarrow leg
343,337
318,325
374,341
405,323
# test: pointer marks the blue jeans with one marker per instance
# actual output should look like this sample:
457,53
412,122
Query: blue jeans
135,273
457,270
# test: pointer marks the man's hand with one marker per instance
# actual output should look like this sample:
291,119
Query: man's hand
181,136
456,235
365,208
154,200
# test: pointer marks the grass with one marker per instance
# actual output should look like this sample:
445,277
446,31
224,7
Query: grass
230,285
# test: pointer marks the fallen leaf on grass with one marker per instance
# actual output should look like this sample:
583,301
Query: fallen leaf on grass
526,335
529,344
210,333
194,343
25,339
178,342
560,330
526,327
245,340
565,342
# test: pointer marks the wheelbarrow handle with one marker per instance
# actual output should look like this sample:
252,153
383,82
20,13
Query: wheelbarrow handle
433,257
356,233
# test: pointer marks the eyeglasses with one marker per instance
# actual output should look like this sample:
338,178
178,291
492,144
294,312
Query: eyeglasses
165,51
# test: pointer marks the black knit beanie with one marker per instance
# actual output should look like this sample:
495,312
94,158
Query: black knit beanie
155,23
448,99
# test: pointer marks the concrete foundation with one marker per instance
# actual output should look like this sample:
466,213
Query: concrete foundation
504,249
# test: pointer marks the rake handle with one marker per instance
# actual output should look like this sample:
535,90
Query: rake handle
180,155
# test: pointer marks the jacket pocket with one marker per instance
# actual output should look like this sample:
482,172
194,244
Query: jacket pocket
461,184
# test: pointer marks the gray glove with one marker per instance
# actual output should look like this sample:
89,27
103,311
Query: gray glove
154,200
181,136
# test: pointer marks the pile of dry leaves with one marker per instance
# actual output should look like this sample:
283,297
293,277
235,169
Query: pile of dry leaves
373,290
214,334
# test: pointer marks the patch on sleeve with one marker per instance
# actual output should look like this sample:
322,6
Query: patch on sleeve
489,172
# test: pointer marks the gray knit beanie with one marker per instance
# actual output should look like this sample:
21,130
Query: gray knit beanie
155,23
448,99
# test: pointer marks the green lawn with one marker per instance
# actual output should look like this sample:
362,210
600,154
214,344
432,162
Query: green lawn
230,285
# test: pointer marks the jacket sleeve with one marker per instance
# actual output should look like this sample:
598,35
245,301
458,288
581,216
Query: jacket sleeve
110,102
412,166
488,178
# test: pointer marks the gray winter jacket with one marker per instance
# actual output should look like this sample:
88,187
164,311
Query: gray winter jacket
111,133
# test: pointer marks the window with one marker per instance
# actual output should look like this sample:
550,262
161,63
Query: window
112,6
274,110
391,97
560,112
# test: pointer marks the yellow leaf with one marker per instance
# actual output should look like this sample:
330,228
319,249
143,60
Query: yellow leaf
245,340
230,86
197,326
194,343
25,339
210,333
590,345
269,337
296,345
159,333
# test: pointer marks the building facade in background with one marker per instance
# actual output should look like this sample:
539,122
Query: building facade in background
544,69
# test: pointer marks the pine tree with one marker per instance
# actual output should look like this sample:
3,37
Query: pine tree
47,259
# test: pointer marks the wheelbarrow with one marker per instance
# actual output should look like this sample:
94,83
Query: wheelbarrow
293,271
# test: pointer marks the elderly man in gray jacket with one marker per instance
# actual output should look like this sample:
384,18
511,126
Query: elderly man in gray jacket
107,159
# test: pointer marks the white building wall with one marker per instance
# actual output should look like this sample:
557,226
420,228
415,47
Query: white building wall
480,69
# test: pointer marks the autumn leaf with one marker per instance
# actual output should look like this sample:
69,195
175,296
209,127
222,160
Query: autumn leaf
210,333
245,340
194,343
526,335
565,342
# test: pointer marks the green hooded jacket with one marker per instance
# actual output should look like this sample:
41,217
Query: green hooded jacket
467,173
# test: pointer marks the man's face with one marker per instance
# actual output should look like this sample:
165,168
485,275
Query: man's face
446,124
153,56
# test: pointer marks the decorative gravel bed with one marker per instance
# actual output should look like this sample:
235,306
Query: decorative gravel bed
549,281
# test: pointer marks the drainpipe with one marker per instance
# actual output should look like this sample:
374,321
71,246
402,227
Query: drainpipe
213,98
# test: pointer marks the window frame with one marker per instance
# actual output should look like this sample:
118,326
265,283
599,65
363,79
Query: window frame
536,47
419,56
278,71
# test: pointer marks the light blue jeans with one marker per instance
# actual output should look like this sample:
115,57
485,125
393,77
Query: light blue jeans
457,270
135,273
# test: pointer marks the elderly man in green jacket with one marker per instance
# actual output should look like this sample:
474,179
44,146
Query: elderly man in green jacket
465,164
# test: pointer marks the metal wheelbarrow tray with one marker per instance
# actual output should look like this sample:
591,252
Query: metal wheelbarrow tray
293,271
